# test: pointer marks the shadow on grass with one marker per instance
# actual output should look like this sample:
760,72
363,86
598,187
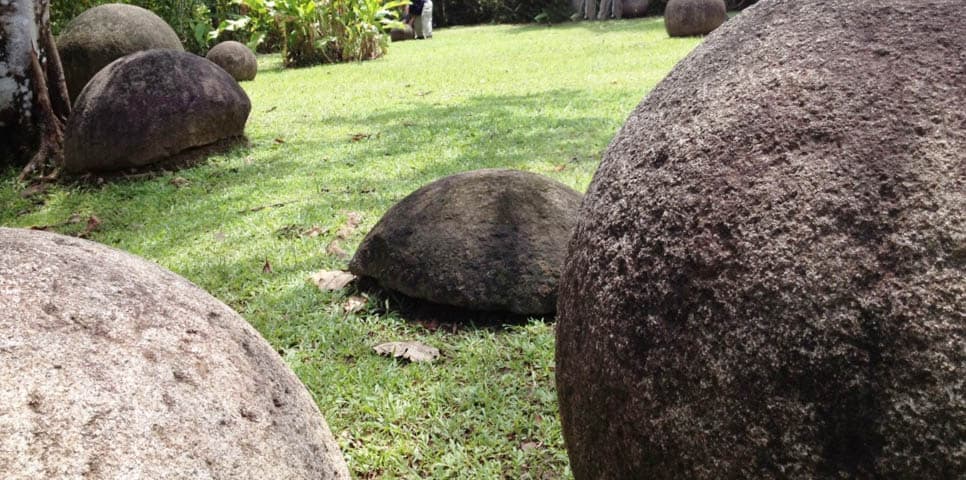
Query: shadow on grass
434,316
408,147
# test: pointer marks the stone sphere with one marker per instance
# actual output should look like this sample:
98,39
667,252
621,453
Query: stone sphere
401,34
491,240
112,367
768,274
146,107
634,8
106,33
686,18
237,59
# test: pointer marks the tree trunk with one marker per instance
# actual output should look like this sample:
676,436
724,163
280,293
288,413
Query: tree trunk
34,103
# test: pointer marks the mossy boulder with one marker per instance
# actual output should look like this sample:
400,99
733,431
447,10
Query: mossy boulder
489,240
236,59
686,18
112,367
146,107
106,33
768,274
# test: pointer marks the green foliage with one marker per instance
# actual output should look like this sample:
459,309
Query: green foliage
469,12
317,31
192,20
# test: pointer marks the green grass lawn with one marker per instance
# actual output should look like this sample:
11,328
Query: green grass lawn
331,140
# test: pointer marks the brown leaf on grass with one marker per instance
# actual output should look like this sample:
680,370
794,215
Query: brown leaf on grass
180,182
335,250
279,140
529,445
329,280
412,351
354,304
75,218
358,137
353,219
93,223
313,232
560,168
267,268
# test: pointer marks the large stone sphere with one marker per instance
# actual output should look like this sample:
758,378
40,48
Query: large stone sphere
105,33
634,8
768,274
491,240
686,18
237,59
148,106
112,367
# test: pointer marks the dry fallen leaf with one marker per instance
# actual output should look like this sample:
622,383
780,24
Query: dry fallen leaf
328,280
559,168
354,304
334,249
315,231
267,268
360,136
412,351
279,140
353,219
92,224
179,182
529,445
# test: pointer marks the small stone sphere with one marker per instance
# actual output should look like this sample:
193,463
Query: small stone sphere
687,18
237,59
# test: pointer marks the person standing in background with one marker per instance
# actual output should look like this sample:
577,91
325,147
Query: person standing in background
422,18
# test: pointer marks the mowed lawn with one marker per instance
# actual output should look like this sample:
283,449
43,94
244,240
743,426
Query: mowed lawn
331,142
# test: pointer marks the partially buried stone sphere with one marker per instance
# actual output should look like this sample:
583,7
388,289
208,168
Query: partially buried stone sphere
237,59
149,106
684,18
112,367
105,33
490,240
768,275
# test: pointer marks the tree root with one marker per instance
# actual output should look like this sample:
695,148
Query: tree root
49,158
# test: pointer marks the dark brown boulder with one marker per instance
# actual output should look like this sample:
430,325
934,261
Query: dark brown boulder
686,18
106,33
112,367
400,34
634,8
237,59
768,274
151,105
489,240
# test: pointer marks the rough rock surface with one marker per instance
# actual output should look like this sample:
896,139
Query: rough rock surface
401,34
485,240
112,367
105,33
148,106
686,18
237,59
768,275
